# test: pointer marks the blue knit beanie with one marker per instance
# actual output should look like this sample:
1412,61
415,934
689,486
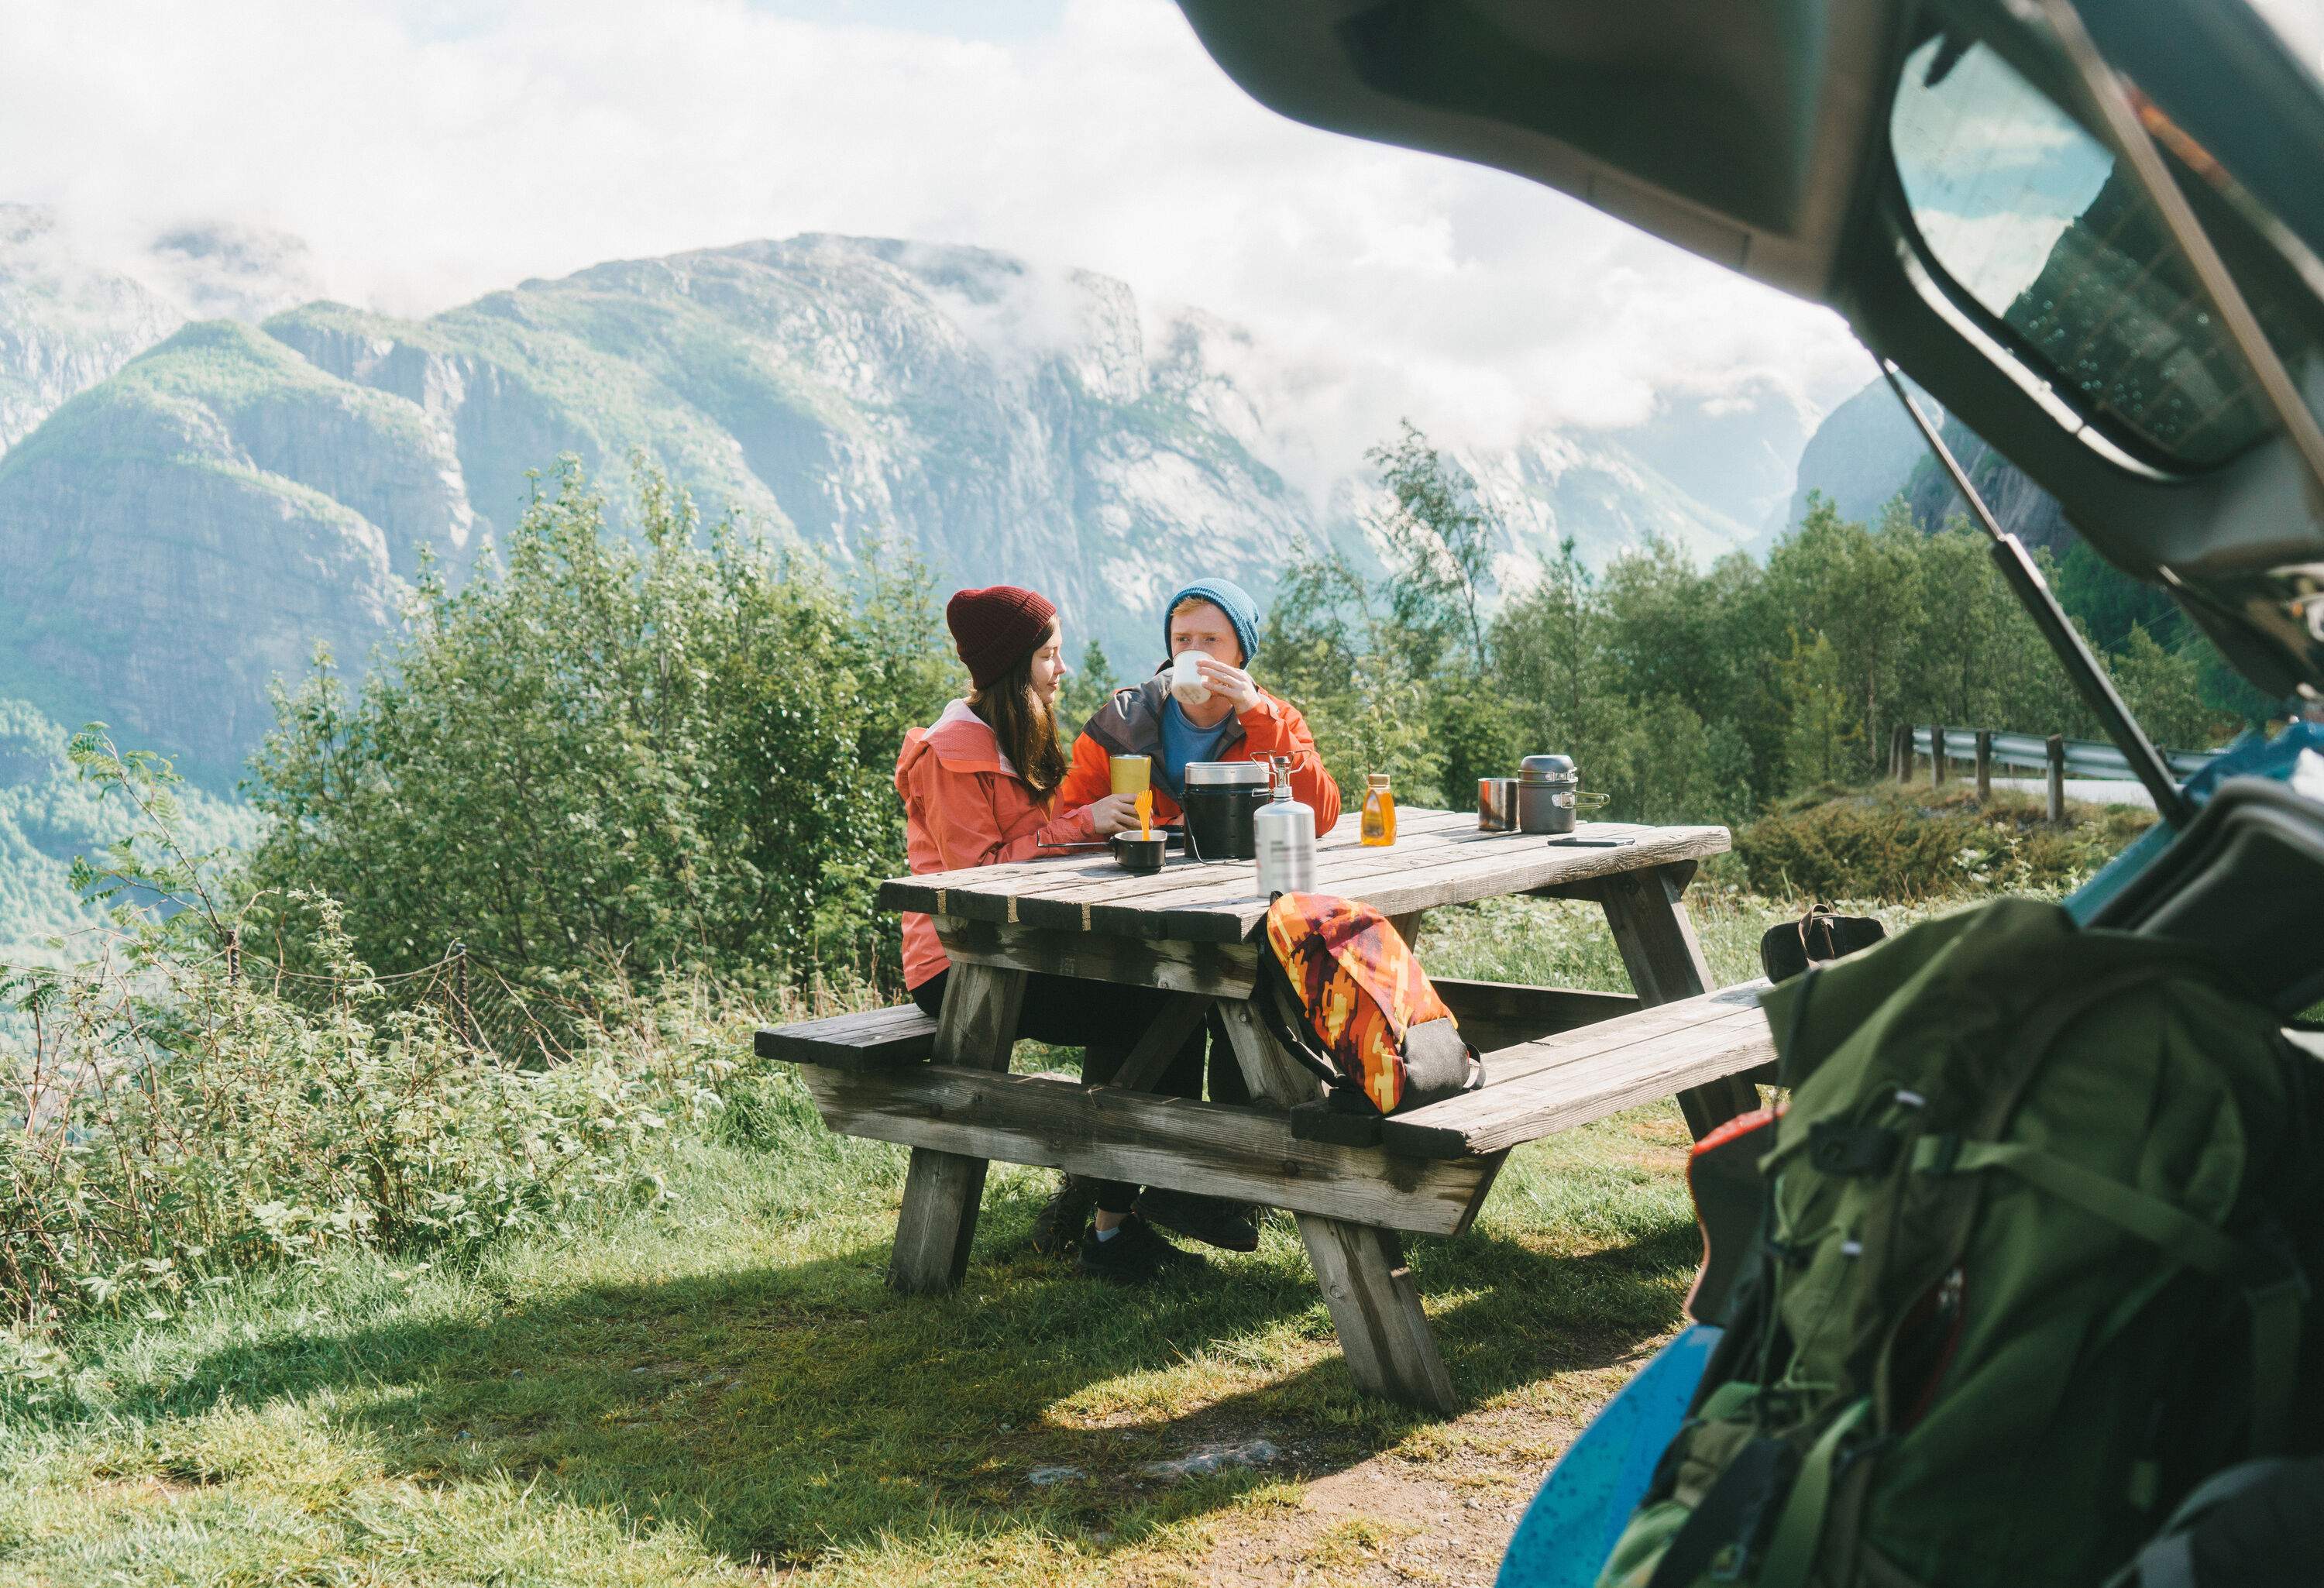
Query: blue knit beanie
1228,597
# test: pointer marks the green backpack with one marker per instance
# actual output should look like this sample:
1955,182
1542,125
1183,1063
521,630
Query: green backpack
2023,1276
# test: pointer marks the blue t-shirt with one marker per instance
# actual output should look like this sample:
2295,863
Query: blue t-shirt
1183,741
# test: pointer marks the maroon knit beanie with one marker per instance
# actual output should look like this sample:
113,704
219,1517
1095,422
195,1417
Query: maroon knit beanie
994,627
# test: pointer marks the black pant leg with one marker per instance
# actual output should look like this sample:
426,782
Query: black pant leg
929,995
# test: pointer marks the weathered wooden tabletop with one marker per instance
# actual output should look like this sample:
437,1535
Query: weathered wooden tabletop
1439,858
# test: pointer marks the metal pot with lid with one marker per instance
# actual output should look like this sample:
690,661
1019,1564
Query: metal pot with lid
1549,791
1222,800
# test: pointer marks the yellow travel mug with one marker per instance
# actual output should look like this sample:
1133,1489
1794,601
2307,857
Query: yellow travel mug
1132,774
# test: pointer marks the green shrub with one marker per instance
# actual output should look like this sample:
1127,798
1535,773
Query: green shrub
177,1121
672,758
1897,844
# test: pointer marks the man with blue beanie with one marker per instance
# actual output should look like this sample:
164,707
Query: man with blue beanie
1217,622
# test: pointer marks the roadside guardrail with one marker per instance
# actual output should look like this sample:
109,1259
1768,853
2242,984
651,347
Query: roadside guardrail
2060,757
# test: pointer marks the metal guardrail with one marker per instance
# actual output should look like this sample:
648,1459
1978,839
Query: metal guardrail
2085,758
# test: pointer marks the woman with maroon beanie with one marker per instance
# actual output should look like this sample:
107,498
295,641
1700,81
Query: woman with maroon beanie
979,786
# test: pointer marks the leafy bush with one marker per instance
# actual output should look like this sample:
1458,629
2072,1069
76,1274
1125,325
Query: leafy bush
612,758
175,1122
1891,844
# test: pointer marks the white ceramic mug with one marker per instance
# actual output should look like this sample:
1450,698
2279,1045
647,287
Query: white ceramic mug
1186,680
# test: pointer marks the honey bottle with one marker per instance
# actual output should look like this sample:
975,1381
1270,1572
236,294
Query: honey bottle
1377,824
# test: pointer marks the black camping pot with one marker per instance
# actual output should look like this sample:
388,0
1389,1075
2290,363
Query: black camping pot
1222,801
1143,853
1547,786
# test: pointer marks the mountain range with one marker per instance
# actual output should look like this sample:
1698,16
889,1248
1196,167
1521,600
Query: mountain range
205,469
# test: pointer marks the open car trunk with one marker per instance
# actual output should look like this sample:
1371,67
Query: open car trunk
1863,154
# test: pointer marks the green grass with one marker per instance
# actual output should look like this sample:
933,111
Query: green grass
720,1387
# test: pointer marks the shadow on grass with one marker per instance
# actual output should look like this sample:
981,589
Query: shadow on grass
781,1413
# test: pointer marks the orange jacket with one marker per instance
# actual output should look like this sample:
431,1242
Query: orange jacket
1131,724
963,805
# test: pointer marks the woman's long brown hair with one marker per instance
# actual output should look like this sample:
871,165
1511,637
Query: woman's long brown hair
1026,729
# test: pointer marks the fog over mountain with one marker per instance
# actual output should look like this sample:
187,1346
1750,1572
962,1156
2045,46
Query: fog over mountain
65,323
71,315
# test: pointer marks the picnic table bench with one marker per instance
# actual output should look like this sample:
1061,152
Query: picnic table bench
1554,1057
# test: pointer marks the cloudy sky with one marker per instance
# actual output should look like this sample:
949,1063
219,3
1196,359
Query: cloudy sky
431,150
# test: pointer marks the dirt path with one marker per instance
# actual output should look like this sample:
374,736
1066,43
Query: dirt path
1438,1509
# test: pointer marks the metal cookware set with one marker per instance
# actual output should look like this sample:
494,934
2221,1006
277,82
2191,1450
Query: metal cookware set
1223,800
1543,798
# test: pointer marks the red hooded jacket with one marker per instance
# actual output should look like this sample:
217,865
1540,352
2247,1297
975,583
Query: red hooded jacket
963,805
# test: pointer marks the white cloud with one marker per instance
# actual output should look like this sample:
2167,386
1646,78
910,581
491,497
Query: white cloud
430,152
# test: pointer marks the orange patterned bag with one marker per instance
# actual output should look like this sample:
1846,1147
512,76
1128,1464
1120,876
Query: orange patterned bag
1352,1003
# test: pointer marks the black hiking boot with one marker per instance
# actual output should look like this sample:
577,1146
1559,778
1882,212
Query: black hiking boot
1211,1220
1058,1227
1135,1255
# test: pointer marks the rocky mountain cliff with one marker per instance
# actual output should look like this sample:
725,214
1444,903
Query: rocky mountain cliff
2018,504
1861,455
197,519
1867,451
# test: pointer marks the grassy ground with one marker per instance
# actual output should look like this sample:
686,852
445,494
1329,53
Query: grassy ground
719,1389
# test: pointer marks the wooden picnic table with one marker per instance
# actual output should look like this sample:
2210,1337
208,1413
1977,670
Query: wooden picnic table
1196,931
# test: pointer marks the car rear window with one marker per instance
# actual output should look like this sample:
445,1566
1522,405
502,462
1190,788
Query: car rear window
2026,213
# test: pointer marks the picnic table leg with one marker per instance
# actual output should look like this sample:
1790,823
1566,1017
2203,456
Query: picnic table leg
1647,912
1375,1306
942,1190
